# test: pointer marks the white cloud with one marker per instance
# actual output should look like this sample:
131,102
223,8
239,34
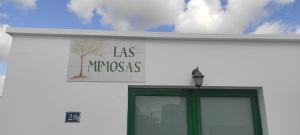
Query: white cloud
2,78
83,9
128,14
270,28
208,16
276,28
298,31
25,3
202,16
5,41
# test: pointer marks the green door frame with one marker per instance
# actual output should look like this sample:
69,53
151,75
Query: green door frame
193,95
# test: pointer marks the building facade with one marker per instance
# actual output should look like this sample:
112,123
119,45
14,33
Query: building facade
134,83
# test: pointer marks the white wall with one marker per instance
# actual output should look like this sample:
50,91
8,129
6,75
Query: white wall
37,94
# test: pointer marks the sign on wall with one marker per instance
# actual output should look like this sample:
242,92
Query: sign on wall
113,60
72,117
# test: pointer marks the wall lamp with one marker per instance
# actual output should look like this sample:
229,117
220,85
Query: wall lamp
197,77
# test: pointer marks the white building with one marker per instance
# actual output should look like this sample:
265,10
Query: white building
132,83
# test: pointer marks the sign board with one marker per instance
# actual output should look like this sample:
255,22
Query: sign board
112,60
72,117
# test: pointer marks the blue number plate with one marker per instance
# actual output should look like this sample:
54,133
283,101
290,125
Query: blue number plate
72,117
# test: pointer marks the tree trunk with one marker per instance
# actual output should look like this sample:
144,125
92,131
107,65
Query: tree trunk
81,63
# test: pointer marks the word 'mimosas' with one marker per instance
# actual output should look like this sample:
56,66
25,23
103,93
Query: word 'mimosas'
114,66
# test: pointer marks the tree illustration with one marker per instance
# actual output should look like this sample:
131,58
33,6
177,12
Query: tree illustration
83,48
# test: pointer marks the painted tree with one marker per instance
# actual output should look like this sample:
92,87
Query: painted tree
83,48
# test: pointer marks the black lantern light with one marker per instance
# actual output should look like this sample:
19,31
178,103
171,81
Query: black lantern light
197,77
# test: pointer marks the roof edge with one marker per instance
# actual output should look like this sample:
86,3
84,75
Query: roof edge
151,35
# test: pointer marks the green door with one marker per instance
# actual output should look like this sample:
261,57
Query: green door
190,111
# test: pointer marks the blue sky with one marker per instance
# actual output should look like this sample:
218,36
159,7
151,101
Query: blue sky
196,16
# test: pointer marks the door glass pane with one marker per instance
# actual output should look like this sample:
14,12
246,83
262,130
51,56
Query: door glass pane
226,116
160,115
